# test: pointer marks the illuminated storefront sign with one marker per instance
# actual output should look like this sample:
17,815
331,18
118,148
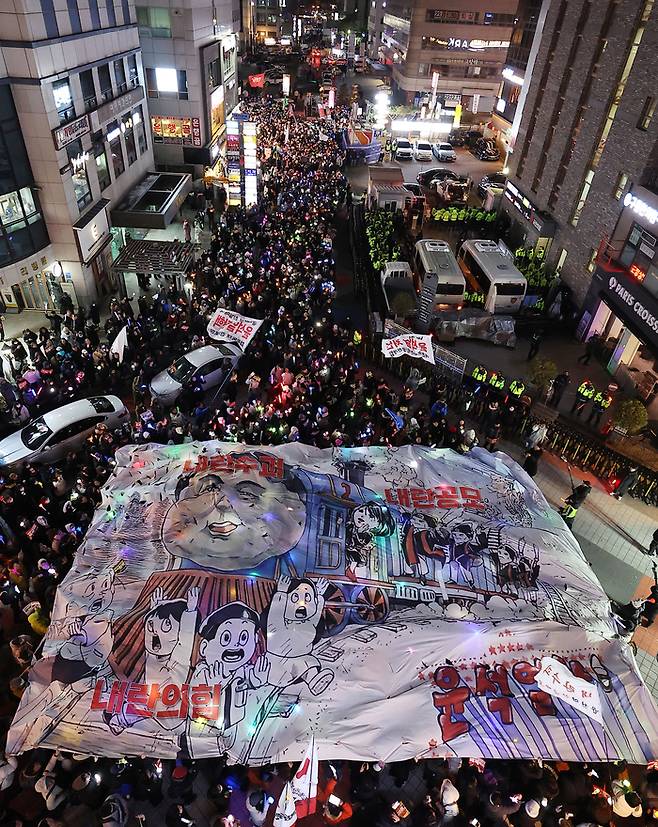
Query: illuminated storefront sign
217,110
185,131
641,208
475,44
71,132
450,16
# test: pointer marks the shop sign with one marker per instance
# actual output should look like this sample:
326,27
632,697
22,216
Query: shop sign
115,107
175,130
92,235
196,132
644,310
475,44
450,16
640,208
65,135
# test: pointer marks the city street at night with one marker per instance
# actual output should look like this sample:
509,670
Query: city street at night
328,478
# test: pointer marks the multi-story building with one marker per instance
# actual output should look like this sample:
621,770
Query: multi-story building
190,63
269,20
521,55
73,117
465,47
588,134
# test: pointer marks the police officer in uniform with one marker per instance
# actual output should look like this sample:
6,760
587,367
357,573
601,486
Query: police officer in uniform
517,388
479,373
584,394
600,405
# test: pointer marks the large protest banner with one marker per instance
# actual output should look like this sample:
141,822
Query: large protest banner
387,603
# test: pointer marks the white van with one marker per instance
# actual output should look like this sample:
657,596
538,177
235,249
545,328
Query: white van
399,291
436,257
490,270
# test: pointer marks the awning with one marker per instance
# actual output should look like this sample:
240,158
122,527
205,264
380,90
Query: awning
154,202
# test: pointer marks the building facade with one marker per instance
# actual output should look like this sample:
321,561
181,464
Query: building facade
465,47
72,76
521,55
190,52
588,132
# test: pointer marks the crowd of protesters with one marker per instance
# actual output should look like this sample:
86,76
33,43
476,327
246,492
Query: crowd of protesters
301,379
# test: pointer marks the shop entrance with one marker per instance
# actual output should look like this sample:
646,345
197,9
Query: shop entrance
625,356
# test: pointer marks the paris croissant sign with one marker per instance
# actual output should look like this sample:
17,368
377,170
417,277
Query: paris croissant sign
640,208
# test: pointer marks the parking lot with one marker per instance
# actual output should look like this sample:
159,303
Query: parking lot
466,164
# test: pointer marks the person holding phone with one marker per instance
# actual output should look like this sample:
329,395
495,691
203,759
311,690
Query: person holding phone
335,809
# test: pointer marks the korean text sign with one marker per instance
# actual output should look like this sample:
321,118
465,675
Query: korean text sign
228,326
418,346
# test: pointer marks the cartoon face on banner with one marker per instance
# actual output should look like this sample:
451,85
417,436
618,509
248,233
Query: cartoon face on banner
394,603
216,517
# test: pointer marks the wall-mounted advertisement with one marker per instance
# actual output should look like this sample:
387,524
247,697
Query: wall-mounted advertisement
217,118
175,131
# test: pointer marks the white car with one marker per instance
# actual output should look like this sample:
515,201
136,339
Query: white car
423,151
50,437
405,151
203,367
444,152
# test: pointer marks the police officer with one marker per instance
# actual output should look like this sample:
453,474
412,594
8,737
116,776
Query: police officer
584,394
517,388
600,405
387,147
394,146
497,381
573,502
479,373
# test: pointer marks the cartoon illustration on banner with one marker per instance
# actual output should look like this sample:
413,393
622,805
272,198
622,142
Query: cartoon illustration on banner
390,602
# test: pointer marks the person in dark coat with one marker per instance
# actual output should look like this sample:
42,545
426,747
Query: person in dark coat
627,482
531,464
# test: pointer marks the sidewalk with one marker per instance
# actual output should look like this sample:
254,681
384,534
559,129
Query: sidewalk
612,535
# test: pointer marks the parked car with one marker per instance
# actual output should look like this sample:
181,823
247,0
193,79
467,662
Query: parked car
273,77
204,367
457,138
486,150
405,151
452,192
50,437
426,177
423,151
444,152
497,179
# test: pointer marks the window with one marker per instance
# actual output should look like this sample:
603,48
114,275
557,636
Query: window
125,8
647,114
154,21
111,14
620,186
95,15
105,82
575,218
63,100
88,89
133,74
76,428
120,77
131,152
49,18
423,69
74,16
35,434
330,537
164,82
138,127
79,176
116,150
560,261
100,155
591,264
214,77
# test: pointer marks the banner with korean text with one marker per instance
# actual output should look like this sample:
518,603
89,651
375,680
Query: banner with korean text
380,603
411,344
229,326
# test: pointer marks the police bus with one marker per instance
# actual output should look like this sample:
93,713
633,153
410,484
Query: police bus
436,257
489,270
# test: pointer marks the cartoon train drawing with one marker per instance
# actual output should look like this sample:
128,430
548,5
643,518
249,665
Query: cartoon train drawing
375,556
